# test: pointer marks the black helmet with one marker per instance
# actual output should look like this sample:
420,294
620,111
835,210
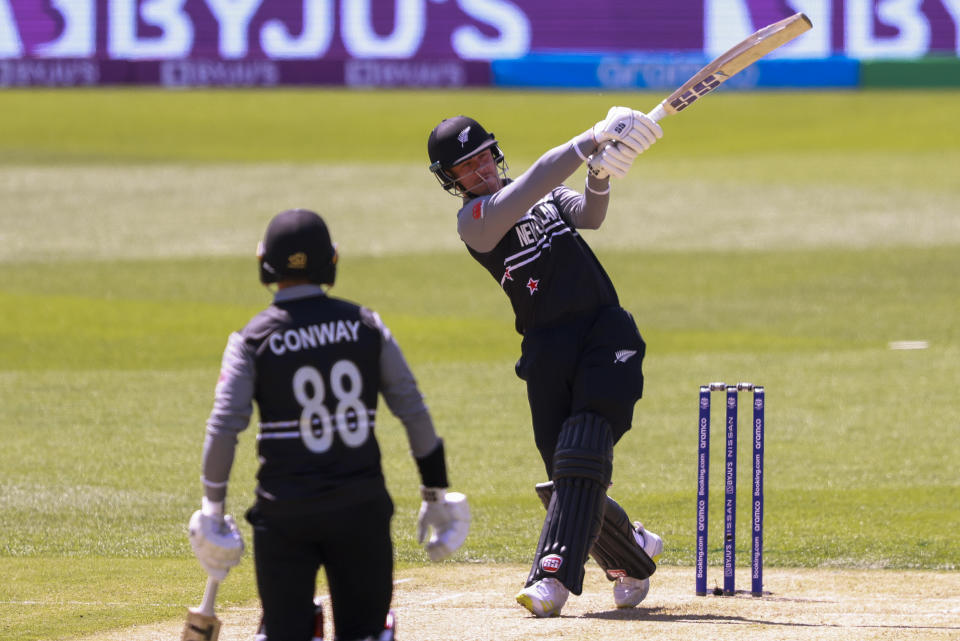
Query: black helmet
455,140
297,245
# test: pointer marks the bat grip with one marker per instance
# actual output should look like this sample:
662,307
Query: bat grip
658,113
209,596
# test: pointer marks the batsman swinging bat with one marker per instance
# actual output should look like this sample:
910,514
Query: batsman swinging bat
731,62
202,624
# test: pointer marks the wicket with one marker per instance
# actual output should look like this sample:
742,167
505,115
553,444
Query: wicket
730,488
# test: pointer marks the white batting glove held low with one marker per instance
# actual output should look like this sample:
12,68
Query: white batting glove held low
216,543
613,159
631,128
446,517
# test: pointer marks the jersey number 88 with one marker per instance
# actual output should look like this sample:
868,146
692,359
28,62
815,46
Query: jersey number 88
348,398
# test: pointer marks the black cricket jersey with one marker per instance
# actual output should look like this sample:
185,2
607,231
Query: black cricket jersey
546,268
316,386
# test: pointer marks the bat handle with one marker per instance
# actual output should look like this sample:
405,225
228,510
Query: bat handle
658,113
209,596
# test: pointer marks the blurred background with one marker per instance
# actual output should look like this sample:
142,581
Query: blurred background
603,44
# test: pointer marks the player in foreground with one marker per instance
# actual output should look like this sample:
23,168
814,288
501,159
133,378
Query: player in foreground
581,353
315,365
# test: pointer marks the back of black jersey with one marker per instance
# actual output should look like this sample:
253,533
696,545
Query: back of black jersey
317,384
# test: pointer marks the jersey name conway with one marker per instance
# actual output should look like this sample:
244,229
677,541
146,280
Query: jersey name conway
317,380
546,268
313,336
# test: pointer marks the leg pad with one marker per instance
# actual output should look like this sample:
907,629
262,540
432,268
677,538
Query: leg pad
616,549
583,465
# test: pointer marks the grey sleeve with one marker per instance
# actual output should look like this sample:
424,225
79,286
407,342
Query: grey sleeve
589,209
483,221
232,408
399,389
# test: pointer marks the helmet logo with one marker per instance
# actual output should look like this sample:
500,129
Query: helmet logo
297,261
462,137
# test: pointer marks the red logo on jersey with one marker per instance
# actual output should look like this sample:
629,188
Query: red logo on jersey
506,274
477,209
532,285
551,563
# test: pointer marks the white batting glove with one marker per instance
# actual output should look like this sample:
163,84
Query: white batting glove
632,128
613,159
216,542
447,515
648,129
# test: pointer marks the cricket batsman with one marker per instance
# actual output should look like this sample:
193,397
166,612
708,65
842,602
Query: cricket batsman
581,354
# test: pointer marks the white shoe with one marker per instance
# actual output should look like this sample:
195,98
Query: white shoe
544,598
628,592
651,543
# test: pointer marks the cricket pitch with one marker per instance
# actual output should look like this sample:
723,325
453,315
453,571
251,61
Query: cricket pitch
467,602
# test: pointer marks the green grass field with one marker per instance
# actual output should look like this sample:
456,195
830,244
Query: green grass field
783,238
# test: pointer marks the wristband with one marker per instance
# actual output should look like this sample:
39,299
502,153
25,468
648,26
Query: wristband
211,508
576,148
433,467
599,193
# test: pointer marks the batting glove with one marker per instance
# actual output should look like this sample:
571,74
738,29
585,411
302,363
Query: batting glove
647,128
631,128
612,160
216,542
446,516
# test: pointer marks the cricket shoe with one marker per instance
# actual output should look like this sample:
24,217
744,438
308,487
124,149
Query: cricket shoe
628,592
544,598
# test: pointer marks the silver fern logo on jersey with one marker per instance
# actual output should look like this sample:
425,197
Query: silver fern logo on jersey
463,137
623,355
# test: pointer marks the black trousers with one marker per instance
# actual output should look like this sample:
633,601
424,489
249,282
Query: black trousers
591,364
353,546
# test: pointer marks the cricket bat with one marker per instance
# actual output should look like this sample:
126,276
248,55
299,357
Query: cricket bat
202,624
731,62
